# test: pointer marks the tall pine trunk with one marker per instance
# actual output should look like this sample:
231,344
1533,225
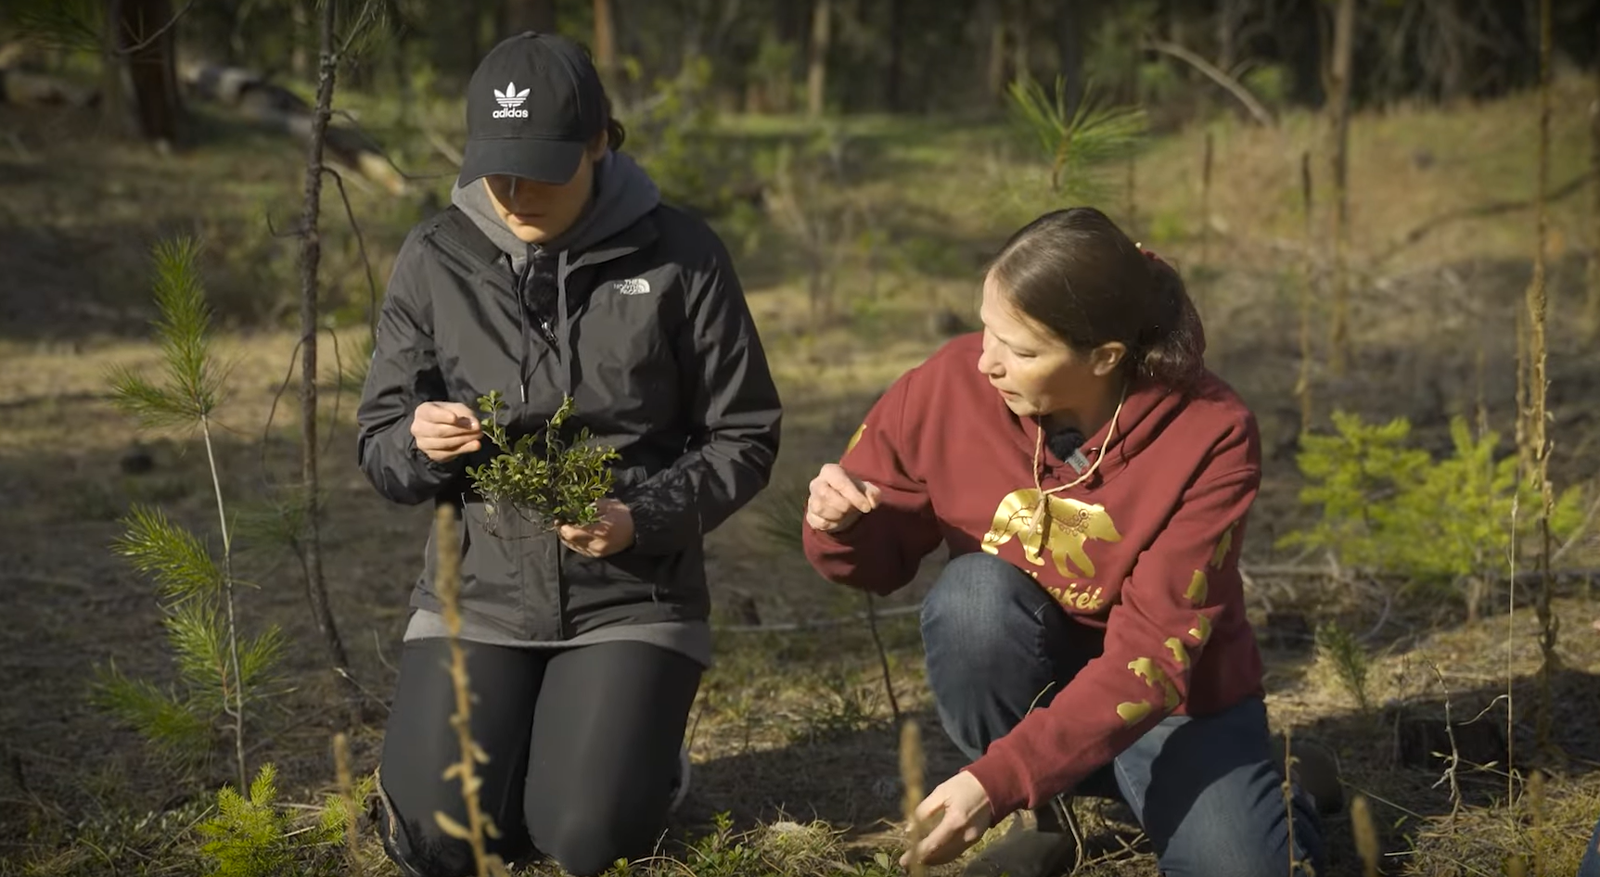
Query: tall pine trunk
310,259
142,55
892,76
1020,62
994,75
1339,153
817,75
1592,309
605,41
1069,50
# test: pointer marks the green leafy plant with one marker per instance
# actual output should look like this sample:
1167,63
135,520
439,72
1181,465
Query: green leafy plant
219,670
1393,509
560,484
251,837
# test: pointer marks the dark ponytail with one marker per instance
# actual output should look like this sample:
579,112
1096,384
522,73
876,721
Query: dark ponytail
616,134
1077,274
1171,349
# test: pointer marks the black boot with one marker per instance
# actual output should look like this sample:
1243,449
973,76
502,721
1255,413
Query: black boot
1038,844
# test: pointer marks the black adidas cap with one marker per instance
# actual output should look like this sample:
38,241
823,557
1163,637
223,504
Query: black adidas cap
533,105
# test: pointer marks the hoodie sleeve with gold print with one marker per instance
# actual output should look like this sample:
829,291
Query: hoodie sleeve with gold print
1145,549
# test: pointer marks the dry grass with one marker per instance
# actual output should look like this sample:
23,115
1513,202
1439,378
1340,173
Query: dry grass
792,733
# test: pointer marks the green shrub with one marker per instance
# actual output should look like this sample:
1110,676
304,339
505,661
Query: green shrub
1394,509
560,486
251,837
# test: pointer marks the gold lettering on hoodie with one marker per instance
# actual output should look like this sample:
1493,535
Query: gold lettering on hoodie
1073,599
1069,524
1197,588
855,439
1148,670
1179,653
1223,547
1133,712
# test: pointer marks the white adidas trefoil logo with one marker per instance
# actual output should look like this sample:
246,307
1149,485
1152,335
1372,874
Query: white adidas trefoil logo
633,286
510,100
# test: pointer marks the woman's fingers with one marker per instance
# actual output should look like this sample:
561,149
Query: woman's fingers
945,842
831,505
444,420
853,491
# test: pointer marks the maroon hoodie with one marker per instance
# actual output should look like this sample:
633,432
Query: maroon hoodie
1146,549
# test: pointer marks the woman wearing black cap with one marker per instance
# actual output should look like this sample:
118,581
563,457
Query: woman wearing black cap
557,272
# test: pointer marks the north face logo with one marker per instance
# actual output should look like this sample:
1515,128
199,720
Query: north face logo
509,101
633,286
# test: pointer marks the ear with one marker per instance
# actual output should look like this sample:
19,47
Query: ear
1107,357
599,145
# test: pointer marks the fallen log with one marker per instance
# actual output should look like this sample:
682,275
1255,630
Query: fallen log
23,88
253,97
243,92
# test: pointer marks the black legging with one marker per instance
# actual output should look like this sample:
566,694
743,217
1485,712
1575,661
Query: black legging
583,750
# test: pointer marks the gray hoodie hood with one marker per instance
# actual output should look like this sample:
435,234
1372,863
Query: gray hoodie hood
623,193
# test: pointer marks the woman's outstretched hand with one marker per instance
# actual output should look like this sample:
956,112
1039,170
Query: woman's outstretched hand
957,814
838,499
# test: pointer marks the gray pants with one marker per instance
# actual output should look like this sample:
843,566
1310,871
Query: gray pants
583,748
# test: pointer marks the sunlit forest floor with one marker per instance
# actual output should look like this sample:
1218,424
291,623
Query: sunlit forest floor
792,736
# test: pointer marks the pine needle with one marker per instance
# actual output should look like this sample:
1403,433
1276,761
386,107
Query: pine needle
1078,143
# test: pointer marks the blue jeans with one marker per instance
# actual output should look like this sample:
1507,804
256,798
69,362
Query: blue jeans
1590,866
1206,790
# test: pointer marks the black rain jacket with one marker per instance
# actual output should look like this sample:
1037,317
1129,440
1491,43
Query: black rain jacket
651,335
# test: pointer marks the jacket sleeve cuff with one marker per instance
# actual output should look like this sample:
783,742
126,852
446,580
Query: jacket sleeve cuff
665,516
1003,780
436,472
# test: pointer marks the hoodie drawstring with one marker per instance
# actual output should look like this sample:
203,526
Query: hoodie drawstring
522,327
564,346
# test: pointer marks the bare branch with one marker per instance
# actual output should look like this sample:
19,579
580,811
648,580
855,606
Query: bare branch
1481,211
150,40
361,245
1233,86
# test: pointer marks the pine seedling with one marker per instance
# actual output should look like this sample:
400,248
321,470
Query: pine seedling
218,669
560,484
1344,653
1078,142
251,836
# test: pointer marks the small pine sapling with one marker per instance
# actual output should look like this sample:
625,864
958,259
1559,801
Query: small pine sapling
220,670
560,484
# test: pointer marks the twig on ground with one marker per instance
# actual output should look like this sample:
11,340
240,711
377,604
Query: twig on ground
883,659
341,764
911,772
1454,762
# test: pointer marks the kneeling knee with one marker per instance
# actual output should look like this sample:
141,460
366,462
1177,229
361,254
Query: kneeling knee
417,846
584,849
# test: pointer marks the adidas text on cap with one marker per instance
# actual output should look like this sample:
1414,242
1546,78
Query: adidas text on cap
533,105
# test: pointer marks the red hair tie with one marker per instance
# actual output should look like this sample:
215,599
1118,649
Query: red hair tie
1149,254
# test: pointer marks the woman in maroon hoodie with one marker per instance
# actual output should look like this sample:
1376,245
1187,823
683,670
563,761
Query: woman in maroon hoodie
1092,481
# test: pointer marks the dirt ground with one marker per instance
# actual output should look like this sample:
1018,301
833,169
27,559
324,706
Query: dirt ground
789,724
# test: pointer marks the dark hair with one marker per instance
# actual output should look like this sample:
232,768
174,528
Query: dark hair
1077,274
616,134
